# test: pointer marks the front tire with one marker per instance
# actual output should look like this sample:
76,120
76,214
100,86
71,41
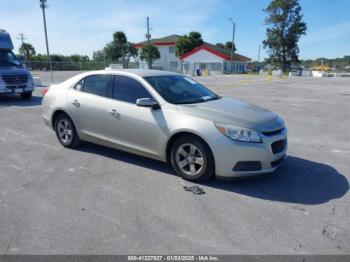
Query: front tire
192,159
27,95
66,132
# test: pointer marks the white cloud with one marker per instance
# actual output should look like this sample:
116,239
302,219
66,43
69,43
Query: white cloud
325,34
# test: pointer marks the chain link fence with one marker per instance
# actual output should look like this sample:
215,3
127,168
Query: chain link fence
62,70
64,66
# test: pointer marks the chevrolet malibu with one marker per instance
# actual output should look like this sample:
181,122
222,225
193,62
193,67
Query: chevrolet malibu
169,117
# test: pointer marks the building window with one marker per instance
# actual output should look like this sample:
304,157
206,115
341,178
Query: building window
173,64
215,66
172,49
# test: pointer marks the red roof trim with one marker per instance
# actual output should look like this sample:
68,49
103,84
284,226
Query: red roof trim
206,48
156,44
165,43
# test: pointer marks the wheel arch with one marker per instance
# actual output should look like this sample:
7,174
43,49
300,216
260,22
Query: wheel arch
56,114
176,135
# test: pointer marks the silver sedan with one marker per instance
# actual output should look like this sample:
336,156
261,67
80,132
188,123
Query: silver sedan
169,117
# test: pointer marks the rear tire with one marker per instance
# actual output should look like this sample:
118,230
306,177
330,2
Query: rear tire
27,95
66,132
192,159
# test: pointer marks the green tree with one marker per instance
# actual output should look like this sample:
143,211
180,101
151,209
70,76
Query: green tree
188,42
284,28
27,50
220,45
196,39
120,49
151,52
99,56
228,46
78,58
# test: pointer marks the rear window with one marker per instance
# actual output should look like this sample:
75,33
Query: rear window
100,85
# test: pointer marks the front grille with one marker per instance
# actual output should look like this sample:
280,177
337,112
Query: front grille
14,79
277,162
272,133
247,166
278,146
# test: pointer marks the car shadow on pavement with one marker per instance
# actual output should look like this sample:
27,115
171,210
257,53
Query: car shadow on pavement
16,100
126,157
296,181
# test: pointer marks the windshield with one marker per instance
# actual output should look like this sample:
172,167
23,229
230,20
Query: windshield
7,58
178,89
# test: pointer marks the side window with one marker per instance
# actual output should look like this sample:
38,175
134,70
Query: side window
129,90
100,85
79,86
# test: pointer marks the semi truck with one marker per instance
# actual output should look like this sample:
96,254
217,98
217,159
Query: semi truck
14,77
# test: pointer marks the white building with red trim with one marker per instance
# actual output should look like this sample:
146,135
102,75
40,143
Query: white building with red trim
168,59
207,58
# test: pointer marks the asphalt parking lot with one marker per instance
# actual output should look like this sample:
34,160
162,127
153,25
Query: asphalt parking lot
95,200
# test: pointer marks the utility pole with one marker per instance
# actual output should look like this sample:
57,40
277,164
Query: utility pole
148,44
258,61
21,37
233,40
43,5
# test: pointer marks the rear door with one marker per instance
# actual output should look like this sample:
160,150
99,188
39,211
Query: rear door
91,106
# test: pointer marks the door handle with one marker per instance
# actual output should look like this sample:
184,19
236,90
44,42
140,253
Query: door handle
76,103
114,112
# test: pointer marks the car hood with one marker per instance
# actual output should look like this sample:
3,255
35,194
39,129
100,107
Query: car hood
13,70
231,111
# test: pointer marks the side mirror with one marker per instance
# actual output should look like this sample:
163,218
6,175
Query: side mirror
147,102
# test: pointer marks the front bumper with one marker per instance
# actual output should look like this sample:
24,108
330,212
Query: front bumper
16,89
228,153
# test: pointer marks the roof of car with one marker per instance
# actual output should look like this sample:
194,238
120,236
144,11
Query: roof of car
138,72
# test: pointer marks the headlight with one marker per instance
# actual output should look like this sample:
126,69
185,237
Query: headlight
239,133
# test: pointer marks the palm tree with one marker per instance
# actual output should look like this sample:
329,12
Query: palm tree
149,52
120,48
26,50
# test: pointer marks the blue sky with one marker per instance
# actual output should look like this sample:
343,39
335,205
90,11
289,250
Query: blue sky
78,26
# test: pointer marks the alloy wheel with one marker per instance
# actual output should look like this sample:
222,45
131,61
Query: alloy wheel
65,131
189,159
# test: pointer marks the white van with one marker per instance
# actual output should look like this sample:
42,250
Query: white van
14,77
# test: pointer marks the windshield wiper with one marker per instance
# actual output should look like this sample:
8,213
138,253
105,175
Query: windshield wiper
213,98
201,100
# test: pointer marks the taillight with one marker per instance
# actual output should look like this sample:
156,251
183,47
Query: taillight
44,91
